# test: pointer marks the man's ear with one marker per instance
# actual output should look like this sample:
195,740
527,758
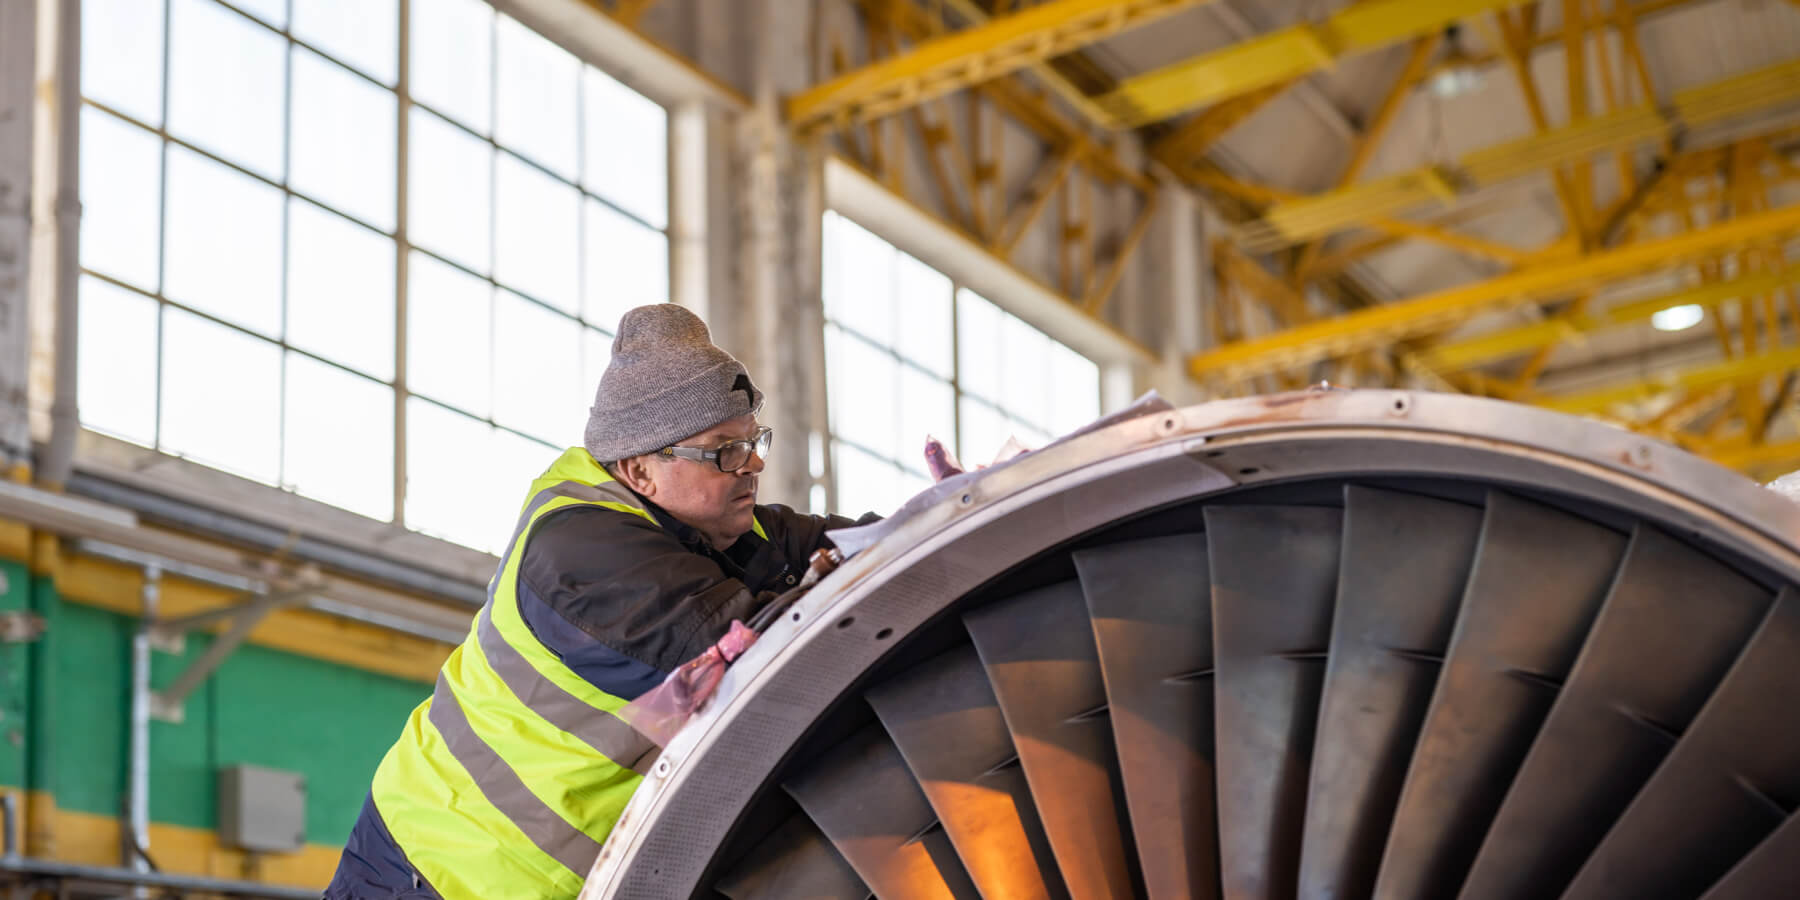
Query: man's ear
635,472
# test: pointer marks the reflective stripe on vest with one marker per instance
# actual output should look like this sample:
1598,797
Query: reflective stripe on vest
508,779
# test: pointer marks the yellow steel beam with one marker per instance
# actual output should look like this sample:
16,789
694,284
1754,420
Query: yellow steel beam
1692,379
1069,91
1305,218
1377,326
971,56
1501,344
1208,176
1194,137
1282,55
1102,291
1015,99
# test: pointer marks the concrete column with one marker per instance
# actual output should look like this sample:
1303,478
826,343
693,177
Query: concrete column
55,238
18,77
779,185
1179,253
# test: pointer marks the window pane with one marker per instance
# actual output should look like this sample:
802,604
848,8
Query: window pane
865,483
596,352
223,242
627,265
984,431
273,12
121,180
924,315
627,147
450,492
226,84
537,371
221,396
448,332
535,98
116,377
537,234
338,445
514,462
1075,381
361,33
927,407
452,59
863,391
340,301
122,56
862,295
448,192
1025,371
978,330
343,148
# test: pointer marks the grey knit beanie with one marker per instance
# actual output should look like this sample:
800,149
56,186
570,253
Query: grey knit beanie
667,381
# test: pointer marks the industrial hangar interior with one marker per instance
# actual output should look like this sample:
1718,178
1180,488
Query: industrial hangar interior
297,297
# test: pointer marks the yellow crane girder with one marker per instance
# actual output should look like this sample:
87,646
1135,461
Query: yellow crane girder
1455,355
1308,218
1282,55
1002,46
1691,379
1375,327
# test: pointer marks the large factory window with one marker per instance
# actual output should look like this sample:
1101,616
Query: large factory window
309,241
909,354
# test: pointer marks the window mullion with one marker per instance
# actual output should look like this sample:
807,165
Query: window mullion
402,253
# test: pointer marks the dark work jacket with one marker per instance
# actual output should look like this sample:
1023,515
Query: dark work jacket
622,602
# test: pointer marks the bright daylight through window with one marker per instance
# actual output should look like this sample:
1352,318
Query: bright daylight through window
899,336
246,302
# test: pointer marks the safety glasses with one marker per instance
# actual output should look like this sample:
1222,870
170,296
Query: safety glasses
728,457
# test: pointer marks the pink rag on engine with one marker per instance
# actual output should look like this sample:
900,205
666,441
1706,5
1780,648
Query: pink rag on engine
659,713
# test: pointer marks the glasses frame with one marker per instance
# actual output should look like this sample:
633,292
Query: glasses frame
756,445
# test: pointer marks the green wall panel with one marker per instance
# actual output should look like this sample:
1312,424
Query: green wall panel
15,676
263,707
91,674
331,723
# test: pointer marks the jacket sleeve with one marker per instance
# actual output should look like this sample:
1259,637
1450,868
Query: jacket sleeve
799,534
632,586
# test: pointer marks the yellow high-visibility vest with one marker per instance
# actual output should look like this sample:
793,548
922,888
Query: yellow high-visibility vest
506,781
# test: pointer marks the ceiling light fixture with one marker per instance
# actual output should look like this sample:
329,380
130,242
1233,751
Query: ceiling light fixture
1677,318
1457,73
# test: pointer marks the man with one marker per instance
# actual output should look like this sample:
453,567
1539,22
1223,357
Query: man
632,555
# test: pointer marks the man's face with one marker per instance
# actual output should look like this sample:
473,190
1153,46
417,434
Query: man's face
719,504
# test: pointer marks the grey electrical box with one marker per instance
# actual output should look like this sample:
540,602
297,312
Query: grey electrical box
262,809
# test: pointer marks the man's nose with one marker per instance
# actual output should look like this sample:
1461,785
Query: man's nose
753,465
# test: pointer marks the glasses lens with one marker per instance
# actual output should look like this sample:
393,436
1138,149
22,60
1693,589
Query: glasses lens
763,441
734,455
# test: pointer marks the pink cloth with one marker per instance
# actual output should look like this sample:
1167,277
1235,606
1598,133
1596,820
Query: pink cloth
660,712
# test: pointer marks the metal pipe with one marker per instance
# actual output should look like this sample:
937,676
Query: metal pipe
138,790
64,214
343,610
9,826
183,884
18,82
271,539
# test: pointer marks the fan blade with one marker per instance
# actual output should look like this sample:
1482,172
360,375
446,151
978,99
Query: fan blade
1538,581
1152,619
1670,628
1274,577
943,716
1038,649
1404,565
795,862
1731,781
1769,870
864,800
